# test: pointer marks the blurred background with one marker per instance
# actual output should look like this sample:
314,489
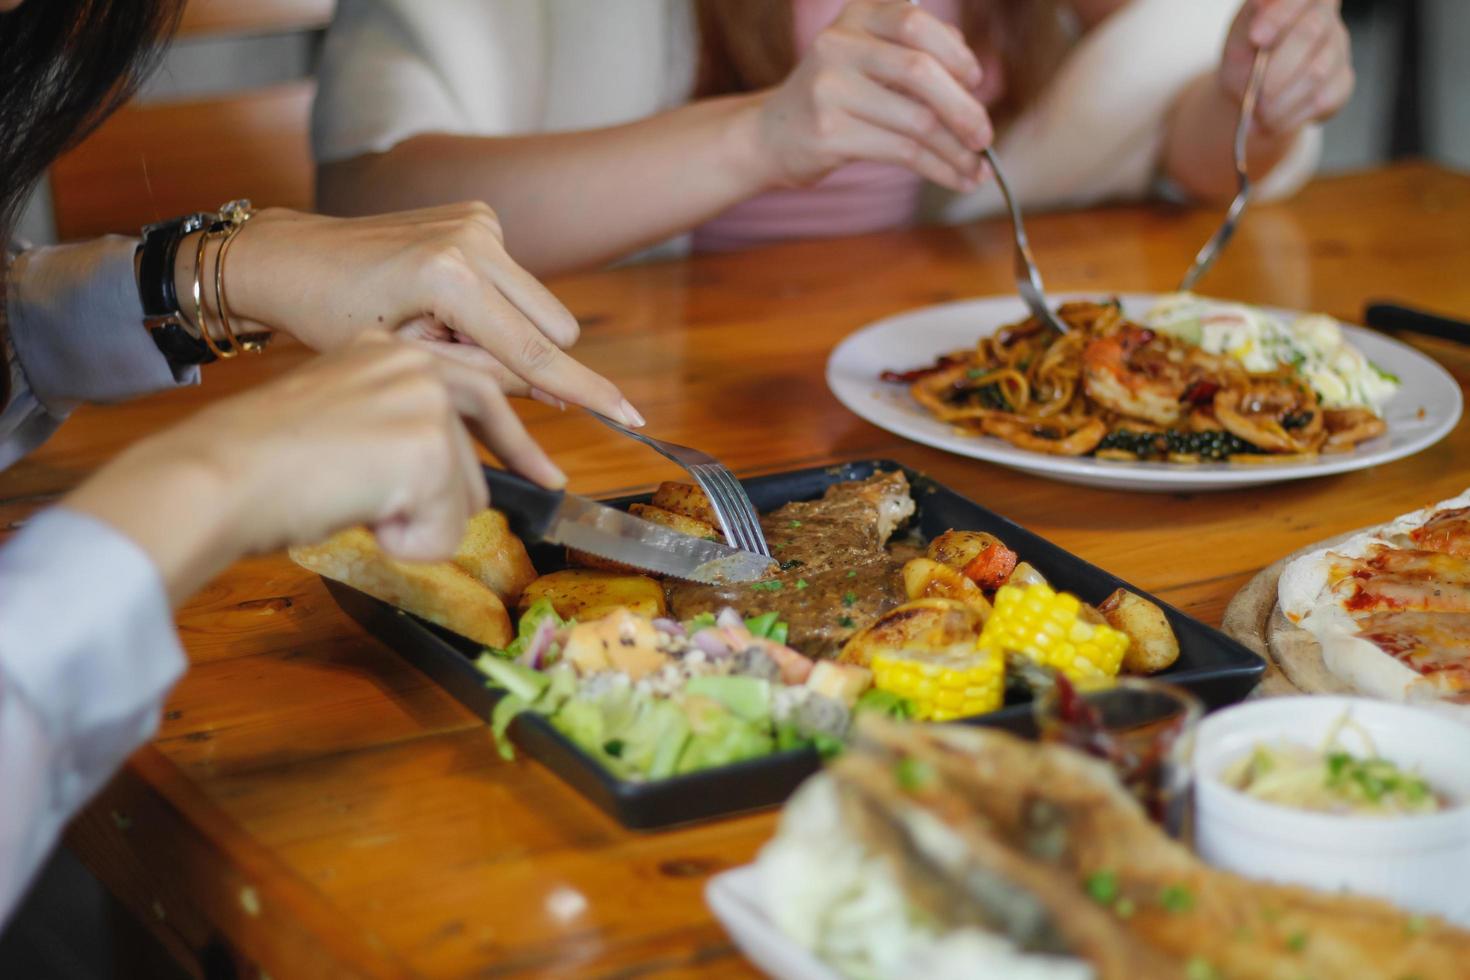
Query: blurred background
242,68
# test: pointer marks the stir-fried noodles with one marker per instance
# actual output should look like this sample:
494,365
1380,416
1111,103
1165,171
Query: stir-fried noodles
1114,389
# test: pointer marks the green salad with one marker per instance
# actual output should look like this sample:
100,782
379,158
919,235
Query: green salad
654,698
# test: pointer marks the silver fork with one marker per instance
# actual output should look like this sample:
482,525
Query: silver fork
1212,248
1028,277
737,515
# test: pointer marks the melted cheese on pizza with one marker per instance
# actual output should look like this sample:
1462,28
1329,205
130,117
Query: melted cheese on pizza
1400,579
1448,531
1391,607
1433,645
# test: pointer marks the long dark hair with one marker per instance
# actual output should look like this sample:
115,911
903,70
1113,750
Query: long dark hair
64,66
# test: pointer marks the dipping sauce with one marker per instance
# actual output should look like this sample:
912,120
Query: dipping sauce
1331,780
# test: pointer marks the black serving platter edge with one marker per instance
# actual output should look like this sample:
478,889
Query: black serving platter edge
1216,668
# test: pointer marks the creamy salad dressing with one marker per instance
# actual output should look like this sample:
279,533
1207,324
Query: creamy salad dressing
1261,340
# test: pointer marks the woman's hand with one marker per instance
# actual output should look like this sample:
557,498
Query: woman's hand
378,433
438,276
886,82
1309,74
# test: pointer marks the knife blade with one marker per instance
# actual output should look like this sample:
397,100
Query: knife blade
567,519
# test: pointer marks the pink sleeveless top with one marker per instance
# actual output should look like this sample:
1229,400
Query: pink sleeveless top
851,200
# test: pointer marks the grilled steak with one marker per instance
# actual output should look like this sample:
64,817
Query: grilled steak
837,575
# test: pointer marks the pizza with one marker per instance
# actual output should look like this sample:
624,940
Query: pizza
1390,607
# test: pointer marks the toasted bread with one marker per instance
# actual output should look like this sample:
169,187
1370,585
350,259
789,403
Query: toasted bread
468,595
495,556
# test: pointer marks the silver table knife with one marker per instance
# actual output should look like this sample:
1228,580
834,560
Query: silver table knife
567,519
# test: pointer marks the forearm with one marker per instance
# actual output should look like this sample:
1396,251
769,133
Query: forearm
179,509
569,200
1199,142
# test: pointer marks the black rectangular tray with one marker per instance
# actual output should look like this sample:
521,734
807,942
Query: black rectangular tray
1216,668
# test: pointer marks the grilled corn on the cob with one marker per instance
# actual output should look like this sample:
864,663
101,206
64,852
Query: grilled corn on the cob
943,685
1048,627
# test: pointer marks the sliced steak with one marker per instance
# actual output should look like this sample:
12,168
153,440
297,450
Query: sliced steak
837,575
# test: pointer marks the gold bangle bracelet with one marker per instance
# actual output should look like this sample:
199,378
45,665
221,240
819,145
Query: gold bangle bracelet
203,323
249,344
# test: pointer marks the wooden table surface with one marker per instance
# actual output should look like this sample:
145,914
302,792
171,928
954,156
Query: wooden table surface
314,807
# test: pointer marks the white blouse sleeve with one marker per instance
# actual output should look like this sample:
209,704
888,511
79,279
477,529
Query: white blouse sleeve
1096,132
391,69
87,654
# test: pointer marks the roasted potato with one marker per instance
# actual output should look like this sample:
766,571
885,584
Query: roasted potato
925,578
441,592
922,624
1153,646
588,593
1026,574
958,548
686,499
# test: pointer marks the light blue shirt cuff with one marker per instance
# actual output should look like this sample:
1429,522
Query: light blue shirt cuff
77,325
87,639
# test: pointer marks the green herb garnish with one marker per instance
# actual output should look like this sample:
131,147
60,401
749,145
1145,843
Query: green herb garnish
801,583
846,622
1199,968
1297,941
849,599
1176,898
1102,887
773,585
793,524
852,573
913,774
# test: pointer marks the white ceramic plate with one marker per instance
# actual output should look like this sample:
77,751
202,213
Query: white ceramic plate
1423,412
735,898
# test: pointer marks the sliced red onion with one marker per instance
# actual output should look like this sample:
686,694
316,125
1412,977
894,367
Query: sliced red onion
729,619
711,643
541,640
671,627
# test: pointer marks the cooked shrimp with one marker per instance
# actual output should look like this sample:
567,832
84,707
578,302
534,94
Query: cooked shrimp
1272,414
1140,374
1346,427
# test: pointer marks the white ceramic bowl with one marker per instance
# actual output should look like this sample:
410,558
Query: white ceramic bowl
1420,863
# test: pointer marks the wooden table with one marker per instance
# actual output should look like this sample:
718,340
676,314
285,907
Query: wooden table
316,808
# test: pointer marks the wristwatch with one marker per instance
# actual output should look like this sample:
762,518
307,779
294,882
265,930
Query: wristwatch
170,329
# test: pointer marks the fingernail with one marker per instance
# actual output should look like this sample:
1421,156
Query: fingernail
538,395
556,478
630,415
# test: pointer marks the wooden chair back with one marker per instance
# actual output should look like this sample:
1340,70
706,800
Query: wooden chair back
153,160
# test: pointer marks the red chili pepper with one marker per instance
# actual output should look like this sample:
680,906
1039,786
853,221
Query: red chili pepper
1200,392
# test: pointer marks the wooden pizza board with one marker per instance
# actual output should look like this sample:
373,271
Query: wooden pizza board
1293,657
